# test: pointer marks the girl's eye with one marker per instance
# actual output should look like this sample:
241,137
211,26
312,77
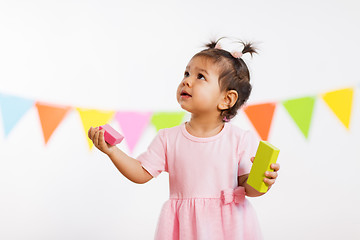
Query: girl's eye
200,76
186,74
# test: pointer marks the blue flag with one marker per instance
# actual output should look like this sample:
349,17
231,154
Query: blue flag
12,109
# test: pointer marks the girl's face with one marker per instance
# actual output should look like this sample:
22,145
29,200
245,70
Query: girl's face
199,91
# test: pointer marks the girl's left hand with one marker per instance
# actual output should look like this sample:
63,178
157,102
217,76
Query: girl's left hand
270,177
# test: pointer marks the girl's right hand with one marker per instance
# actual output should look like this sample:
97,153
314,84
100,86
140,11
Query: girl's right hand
97,137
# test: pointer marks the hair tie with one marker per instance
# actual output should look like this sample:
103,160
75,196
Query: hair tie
234,54
237,54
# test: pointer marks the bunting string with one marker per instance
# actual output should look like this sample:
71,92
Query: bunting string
133,124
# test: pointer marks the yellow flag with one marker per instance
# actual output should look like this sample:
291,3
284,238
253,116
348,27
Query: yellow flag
340,102
93,118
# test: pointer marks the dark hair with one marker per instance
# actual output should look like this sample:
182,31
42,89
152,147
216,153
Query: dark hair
233,75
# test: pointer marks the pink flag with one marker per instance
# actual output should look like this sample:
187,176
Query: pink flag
132,125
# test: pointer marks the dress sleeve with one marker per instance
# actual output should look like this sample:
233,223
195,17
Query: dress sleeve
154,159
247,148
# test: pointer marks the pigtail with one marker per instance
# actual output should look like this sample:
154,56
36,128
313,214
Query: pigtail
249,48
213,43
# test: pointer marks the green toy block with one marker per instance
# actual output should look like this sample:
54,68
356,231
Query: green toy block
266,154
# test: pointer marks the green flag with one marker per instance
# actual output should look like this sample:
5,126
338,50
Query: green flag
167,119
301,109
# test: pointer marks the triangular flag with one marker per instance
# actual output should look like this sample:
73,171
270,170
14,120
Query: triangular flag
340,102
93,118
167,119
261,116
50,117
133,125
13,108
301,109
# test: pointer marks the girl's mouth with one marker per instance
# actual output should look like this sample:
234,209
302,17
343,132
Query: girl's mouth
184,94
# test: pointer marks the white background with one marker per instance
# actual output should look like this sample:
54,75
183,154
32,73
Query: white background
122,55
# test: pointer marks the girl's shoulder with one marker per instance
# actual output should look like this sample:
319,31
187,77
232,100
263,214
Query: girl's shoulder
242,134
238,130
171,131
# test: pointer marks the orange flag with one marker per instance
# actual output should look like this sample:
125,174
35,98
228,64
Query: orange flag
261,116
50,117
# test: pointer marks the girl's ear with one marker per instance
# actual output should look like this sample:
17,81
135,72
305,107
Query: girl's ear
229,100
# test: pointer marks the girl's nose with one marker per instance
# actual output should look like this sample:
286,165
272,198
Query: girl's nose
187,82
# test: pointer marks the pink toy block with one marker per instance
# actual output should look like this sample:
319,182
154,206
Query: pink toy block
111,136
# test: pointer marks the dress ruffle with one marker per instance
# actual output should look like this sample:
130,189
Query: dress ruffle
229,217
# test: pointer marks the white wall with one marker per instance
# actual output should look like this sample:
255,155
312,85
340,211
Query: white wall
126,55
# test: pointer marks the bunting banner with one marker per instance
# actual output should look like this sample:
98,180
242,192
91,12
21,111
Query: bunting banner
340,102
50,117
13,109
301,110
167,119
93,118
261,116
133,124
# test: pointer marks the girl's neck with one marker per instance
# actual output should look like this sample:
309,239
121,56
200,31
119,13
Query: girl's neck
204,127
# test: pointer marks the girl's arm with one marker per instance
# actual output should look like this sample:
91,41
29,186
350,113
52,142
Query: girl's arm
128,166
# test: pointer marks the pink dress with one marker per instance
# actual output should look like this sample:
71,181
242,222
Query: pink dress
205,200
